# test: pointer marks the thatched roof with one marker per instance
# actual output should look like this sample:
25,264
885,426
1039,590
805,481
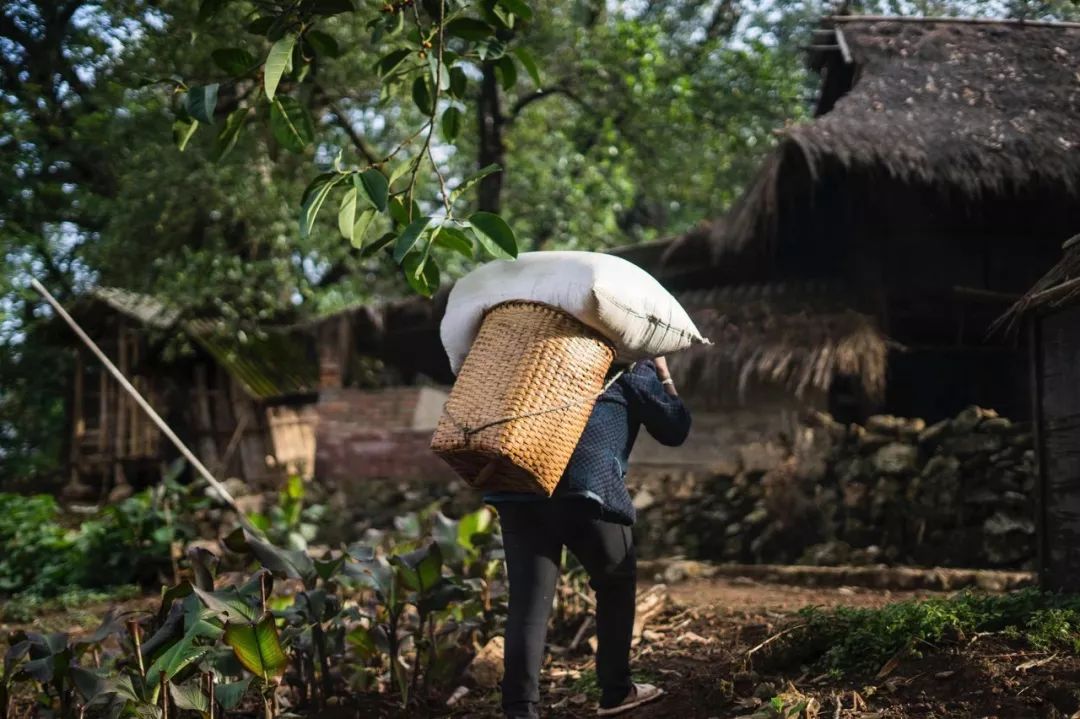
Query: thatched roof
799,336
1058,287
974,108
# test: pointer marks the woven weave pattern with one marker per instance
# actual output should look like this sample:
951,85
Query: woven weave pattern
522,398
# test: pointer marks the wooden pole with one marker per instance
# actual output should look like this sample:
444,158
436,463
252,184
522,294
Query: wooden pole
123,382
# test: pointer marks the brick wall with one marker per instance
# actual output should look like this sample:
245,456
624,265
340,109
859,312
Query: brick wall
376,434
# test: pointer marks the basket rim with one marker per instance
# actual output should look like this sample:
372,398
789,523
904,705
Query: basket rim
593,334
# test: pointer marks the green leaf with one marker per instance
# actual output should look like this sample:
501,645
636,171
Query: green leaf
291,124
472,180
389,62
519,8
233,60
229,695
347,214
439,73
228,602
454,239
494,234
458,82
409,238
190,696
400,171
258,647
277,63
400,213
327,8
385,241
360,228
261,26
208,9
508,71
441,595
363,643
451,123
314,197
529,63
469,29
376,187
293,564
323,43
174,660
421,273
421,95
182,131
226,139
201,101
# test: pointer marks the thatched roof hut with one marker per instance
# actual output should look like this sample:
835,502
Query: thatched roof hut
1050,314
933,186
973,110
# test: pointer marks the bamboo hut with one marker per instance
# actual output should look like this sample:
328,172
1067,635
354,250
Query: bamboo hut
1050,315
935,182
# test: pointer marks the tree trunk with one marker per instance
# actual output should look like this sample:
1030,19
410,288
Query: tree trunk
492,149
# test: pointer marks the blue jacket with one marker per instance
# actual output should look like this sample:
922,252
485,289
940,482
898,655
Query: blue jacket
597,468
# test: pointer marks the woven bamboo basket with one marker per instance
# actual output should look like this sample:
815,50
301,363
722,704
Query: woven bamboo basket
522,398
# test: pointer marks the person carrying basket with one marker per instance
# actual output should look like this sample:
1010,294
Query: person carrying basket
591,514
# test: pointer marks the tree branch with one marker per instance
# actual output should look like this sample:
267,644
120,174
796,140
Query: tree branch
343,122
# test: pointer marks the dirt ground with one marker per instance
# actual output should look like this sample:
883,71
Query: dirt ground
705,648
701,651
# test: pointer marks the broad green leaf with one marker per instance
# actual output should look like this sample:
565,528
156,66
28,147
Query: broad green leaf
314,198
182,131
277,62
422,273
375,187
333,7
451,123
472,524
519,8
233,60
361,227
291,123
472,180
208,9
363,643
230,694
201,101
258,647
409,237
174,660
260,26
327,568
190,695
401,170
402,214
383,242
507,71
347,214
439,73
421,95
423,567
454,239
226,139
390,62
469,29
323,43
441,595
494,234
292,563
229,603
529,63
90,684
458,82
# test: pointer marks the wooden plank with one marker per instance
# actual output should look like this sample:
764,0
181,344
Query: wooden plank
204,422
951,21
844,49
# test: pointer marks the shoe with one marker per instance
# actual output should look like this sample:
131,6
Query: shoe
639,694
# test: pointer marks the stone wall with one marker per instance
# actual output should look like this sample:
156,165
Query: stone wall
958,493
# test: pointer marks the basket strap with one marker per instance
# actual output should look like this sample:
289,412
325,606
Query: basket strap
468,431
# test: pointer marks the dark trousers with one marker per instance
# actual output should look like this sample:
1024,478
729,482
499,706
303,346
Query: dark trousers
534,533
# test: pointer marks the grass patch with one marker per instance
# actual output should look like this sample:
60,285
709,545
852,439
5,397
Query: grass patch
864,639
28,606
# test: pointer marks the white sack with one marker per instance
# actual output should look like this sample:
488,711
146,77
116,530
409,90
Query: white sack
615,297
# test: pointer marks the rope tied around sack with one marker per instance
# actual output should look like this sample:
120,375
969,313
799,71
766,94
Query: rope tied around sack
468,432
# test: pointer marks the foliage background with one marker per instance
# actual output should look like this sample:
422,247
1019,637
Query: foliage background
650,117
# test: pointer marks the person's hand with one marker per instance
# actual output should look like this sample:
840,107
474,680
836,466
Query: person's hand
664,375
